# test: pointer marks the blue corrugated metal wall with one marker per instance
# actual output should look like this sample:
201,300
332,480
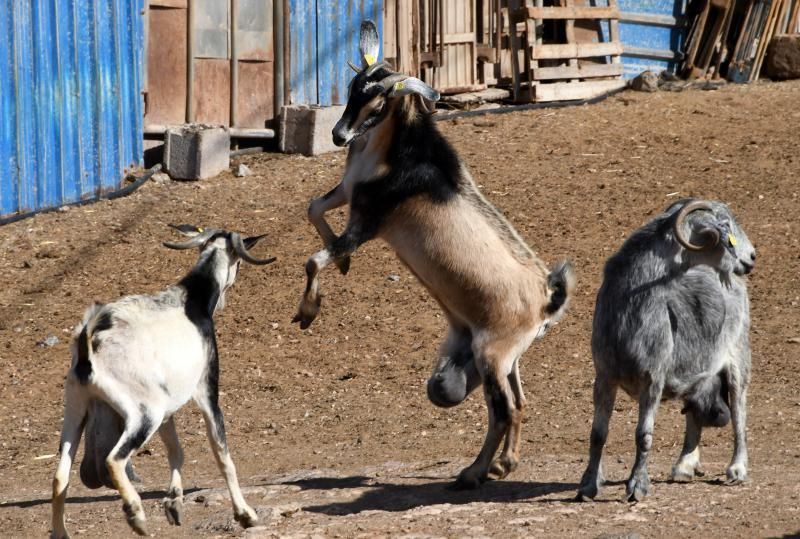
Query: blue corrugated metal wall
323,36
654,38
70,99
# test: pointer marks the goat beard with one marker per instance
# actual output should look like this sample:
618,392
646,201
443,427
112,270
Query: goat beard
103,429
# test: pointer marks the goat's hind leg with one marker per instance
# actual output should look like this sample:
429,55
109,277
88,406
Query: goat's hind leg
139,427
508,460
75,408
173,503
500,404
215,426
688,463
604,395
638,485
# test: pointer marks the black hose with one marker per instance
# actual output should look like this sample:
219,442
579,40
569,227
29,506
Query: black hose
127,190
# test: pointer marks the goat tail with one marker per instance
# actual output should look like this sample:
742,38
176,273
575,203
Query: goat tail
560,286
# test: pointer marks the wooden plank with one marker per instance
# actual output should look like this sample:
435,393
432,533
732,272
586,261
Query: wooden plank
575,50
564,13
581,72
466,37
568,91
613,31
766,37
570,34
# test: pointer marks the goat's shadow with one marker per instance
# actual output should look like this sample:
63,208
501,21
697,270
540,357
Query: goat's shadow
145,495
395,497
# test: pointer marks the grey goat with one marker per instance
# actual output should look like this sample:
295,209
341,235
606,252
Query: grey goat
672,321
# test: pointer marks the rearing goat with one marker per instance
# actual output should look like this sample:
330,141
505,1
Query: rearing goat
145,357
404,183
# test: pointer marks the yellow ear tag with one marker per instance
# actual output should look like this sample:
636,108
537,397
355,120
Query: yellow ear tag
732,240
399,85
369,59
199,229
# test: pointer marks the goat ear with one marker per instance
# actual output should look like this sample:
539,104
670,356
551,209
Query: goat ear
187,230
369,43
253,240
413,85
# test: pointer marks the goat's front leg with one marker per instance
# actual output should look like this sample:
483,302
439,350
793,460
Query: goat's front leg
215,427
173,503
737,383
343,246
335,198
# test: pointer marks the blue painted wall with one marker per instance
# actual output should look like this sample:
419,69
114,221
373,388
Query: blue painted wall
70,99
323,36
639,38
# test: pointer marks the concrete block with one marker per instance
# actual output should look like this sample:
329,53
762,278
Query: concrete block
307,130
783,57
196,151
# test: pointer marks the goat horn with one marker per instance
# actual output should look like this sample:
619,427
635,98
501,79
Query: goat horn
196,241
374,67
710,233
241,250
391,80
354,67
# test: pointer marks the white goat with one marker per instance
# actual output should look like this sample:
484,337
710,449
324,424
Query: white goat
404,183
145,357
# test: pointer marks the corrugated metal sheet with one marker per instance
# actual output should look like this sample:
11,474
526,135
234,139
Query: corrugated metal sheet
652,33
323,36
70,102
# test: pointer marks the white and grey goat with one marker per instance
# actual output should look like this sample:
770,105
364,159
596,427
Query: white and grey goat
672,320
404,183
140,359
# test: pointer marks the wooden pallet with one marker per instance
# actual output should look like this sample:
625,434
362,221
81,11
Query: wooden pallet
562,69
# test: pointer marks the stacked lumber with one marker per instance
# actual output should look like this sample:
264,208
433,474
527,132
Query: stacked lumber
730,37
556,65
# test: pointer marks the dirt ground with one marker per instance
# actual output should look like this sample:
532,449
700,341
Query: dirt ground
330,428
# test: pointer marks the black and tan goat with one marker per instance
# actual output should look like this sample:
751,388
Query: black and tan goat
136,362
405,183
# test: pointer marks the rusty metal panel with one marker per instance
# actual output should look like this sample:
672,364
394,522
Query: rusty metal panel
255,94
254,30
70,104
166,67
213,91
168,3
211,20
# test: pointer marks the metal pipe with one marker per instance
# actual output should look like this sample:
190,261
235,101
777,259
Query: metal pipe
234,64
277,76
235,132
189,61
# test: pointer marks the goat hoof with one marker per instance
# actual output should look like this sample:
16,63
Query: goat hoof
247,518
61,535
307,312
736,474
500,468
343,264
135,517
638,488
467,480
173,508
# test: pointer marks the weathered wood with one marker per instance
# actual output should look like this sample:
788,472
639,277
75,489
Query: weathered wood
575,50
564,13
568,91
578,72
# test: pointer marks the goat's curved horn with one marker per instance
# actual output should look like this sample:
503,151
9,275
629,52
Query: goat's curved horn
353,66
374,67
389,82
196,241
241,250
710,233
